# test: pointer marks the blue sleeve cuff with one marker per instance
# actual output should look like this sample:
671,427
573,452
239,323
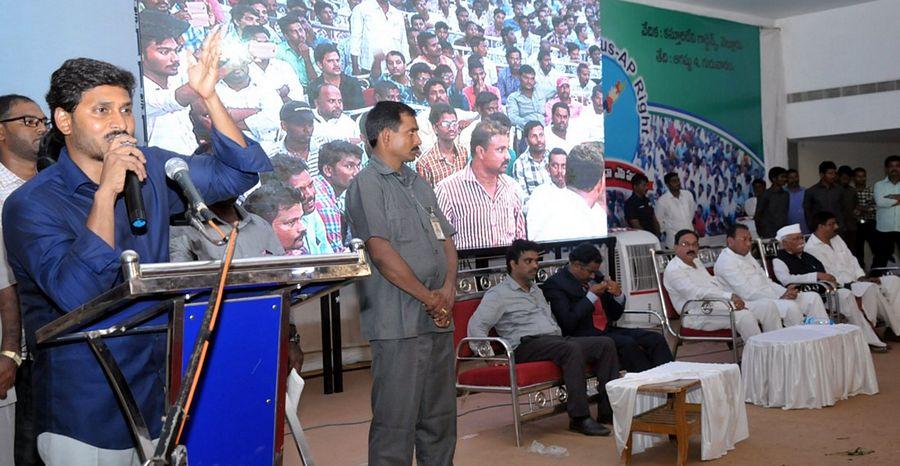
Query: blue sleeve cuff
94,253
591,297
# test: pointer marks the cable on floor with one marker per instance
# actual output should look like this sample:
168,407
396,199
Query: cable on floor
356,423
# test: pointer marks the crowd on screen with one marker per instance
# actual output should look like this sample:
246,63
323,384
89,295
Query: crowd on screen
300,76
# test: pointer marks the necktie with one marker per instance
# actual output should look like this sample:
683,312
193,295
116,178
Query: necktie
599,315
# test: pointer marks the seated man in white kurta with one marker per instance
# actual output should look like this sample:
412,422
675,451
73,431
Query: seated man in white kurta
794,265
739,272
879,296
686,278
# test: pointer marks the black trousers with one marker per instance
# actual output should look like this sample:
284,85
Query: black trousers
26,453
572,355
887,242
639,349
865,233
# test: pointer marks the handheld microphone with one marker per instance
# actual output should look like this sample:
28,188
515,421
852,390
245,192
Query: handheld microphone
177,170
134,200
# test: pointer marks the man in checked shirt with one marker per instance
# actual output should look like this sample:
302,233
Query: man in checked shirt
339,163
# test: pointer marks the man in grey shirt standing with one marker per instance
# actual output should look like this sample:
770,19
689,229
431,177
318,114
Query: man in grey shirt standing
517,310
404,305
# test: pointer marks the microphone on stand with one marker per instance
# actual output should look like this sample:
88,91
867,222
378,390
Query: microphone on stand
177,170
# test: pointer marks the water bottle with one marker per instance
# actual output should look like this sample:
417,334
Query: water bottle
812,320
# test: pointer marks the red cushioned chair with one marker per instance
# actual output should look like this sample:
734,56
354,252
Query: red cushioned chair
506,377
683,334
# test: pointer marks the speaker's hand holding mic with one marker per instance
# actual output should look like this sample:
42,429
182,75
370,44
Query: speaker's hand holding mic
123,170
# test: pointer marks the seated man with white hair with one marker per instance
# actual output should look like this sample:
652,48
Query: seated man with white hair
686,278
740,272
794,265
879,296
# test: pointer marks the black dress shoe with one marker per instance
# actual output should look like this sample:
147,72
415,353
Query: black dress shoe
889,335
605,418
588,426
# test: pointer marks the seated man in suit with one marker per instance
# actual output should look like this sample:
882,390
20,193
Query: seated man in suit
586,304
517,310
794,265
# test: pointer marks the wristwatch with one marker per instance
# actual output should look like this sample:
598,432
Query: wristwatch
14,356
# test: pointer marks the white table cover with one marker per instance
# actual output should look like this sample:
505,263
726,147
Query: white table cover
723,413
807,366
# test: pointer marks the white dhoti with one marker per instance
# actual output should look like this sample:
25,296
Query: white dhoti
881,300
747,322
807,303
855,315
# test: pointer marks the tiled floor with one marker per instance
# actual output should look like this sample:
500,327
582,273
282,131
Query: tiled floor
337,428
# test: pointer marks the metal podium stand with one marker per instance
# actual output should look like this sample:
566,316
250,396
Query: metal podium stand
237,414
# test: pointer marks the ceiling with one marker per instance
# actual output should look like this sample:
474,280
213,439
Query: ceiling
768,9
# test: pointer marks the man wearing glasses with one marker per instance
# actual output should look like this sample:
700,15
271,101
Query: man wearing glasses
22,123
686,278
446,157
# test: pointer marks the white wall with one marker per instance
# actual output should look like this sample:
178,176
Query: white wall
38,36
855,154
841,47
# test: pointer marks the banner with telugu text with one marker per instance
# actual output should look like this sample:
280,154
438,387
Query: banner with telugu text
682,95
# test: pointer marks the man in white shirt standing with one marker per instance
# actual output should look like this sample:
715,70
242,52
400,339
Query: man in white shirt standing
22,123
168,96
375,27
738,271
675,209
887,211
794,265
686,278
881,295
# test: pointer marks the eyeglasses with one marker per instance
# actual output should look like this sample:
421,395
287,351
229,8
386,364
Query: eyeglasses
685,244
449,124
30,121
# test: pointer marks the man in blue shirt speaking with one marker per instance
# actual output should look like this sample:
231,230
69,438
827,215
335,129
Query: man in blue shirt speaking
67,226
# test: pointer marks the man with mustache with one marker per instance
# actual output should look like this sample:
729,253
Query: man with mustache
281,205
64,250
405,303
794,265
446,157
295,173
686,278
22,123
887,211
579,210
481,201
737,270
